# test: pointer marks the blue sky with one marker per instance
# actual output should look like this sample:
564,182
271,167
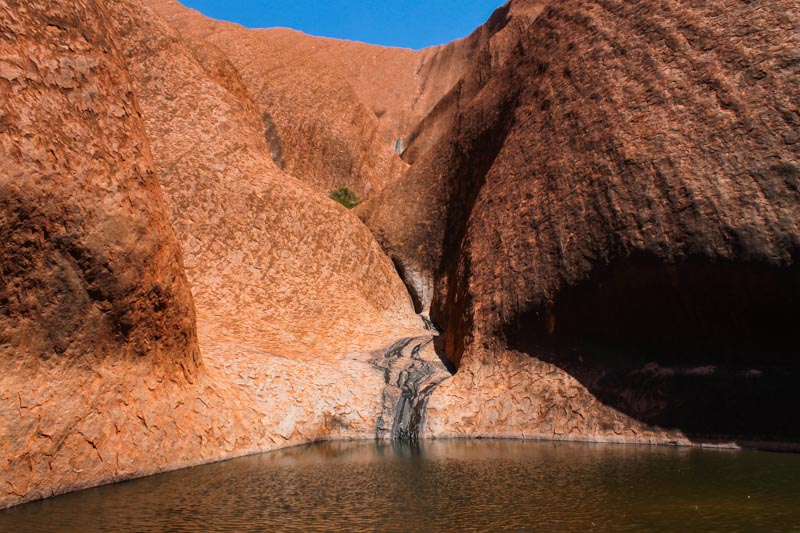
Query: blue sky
410,24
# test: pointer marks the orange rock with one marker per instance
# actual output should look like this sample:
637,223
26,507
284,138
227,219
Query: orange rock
92,274
596,201
618,199
294,296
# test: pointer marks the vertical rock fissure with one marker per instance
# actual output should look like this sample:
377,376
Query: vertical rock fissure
412,371
273,141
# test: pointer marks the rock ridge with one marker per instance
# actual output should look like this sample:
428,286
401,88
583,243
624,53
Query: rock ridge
597,202
619,196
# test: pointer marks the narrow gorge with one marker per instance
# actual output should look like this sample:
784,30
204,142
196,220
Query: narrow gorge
581,222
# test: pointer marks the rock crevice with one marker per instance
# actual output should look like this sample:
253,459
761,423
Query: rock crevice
411,370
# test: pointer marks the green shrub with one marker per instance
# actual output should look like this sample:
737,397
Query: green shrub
345,196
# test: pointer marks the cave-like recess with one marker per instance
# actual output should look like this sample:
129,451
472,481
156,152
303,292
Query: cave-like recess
709,347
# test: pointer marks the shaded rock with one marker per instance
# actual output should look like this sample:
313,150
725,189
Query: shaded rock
595,202
92,276
617,194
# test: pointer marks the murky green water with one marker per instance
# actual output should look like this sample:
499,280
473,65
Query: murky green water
445,486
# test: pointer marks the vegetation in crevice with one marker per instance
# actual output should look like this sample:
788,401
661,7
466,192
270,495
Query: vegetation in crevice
345,196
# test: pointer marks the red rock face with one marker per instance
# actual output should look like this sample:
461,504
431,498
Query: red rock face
621,200
272,262
296,300
92,274
596,201
317,126
339,113
89,256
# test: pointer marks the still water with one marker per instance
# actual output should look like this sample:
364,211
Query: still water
445,486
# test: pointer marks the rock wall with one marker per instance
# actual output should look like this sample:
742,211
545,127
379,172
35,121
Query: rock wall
93,287
619,201
328,135
596,202
102,376
342,111
273,263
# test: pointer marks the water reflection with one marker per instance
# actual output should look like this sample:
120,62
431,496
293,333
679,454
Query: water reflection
444,486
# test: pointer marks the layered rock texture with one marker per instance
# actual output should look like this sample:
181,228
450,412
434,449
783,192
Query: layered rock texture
102,371
620,200
596,202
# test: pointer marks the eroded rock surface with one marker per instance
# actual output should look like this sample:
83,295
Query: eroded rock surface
103,378
597,202
412,370
619,200
94,296
273,263
342,112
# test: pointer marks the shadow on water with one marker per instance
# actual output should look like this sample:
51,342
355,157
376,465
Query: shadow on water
444,486
709,348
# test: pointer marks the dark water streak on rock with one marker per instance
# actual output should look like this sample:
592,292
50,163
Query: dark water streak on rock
411,374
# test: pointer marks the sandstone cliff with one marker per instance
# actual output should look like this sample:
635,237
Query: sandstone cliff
272,263
338,112
93,295
598,203
619,200
102,376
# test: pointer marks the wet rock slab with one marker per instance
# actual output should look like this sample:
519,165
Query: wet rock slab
411,370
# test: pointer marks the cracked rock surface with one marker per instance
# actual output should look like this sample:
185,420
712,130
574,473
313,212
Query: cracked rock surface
618,200
412,370
596,201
